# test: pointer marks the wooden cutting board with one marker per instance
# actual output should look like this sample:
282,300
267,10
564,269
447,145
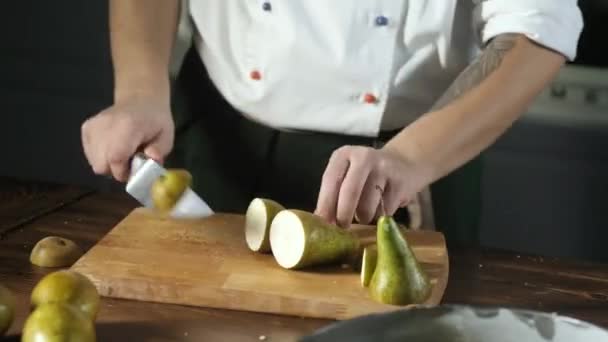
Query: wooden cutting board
206,262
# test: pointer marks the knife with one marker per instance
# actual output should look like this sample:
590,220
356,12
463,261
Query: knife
144,172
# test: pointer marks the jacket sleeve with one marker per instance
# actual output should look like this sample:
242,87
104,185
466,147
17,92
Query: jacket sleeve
554,24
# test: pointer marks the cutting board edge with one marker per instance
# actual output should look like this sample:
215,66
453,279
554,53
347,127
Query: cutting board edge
289,313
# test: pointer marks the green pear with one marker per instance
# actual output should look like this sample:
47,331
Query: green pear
398,278
70,287
299,239
7,309
58,322
54,251
258,218
169,187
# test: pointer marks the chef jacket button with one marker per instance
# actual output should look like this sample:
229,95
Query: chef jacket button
255,75
381,20
369,98
266,6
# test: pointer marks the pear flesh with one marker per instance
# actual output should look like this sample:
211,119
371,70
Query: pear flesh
398,278
258,218
300,239
368,264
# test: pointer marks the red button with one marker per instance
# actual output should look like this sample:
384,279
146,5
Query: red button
369,98
255,75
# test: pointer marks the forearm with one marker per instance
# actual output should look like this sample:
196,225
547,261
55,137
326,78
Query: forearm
142,34
479,106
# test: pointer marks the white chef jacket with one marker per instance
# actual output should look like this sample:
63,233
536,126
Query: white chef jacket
358,67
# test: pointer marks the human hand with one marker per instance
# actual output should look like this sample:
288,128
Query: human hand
357,178
114,135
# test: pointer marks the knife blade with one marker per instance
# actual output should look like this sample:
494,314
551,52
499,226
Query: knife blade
144,172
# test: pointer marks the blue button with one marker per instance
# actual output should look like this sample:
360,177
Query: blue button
381,20
267,6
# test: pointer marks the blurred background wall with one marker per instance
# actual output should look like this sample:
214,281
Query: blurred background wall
54,72
545,184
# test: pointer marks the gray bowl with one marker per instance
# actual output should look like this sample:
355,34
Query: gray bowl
454,323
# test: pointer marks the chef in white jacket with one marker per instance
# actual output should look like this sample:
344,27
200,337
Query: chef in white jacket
329,106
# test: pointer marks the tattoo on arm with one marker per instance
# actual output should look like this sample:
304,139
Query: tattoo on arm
488,61
473,75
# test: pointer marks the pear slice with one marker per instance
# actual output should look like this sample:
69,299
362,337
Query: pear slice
398,279
259,216
368,264
54,251
300,239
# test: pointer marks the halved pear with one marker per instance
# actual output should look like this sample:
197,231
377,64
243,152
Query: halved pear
55,251
259,216
368,264
299,239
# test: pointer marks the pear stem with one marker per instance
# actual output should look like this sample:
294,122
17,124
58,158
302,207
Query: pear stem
381,200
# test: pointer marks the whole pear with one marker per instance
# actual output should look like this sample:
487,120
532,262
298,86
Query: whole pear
67,286
58,322
398,278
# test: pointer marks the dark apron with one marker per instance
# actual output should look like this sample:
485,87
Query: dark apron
233,159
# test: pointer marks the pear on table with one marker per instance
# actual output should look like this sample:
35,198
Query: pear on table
58,322
64,307
70,287
55,251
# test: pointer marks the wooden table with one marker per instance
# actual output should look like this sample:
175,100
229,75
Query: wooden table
29,212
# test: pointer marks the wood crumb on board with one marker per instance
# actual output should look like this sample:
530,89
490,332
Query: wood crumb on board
262,337
186,333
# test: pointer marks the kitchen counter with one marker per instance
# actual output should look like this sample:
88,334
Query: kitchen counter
30,211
